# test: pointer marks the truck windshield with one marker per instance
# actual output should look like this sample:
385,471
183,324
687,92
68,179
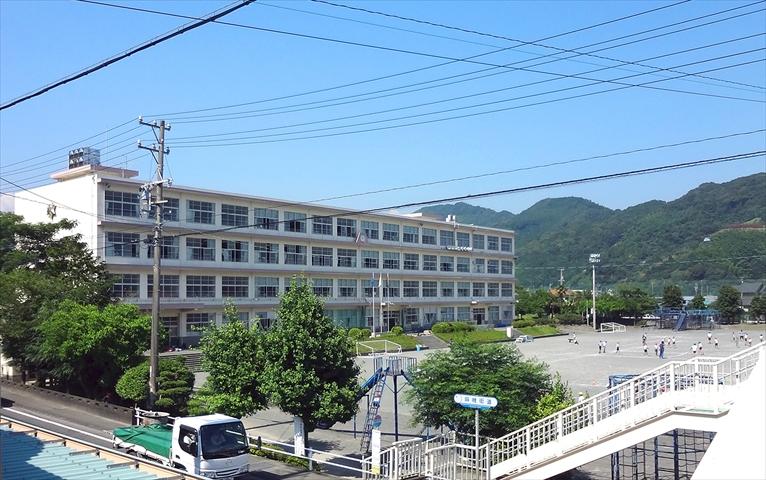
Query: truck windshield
223,440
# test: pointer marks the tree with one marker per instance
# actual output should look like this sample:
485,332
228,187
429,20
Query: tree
491,370
728,303
672,297
559,398
89,347
174,385
698,302
635,301
758,307
308,367
39,268
530,302
231,356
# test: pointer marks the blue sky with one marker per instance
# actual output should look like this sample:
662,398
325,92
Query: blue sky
219,65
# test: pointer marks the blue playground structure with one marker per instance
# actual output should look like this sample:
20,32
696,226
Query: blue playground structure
680,319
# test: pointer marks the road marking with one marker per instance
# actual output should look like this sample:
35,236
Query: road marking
61,425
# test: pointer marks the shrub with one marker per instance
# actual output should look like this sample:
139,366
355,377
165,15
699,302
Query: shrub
450,327
547,321
397,330
355,334
365,333
571,319
524,323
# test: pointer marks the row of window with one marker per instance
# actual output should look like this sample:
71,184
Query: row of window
127,205
204,249
127,285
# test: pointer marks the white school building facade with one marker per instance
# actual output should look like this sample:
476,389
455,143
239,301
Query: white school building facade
221,245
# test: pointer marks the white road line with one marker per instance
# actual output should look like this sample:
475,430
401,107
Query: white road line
61,425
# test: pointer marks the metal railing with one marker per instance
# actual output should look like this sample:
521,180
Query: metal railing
377,347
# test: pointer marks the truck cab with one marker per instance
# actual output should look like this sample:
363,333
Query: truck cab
213,446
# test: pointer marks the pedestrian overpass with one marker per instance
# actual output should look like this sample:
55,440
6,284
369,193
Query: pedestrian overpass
697,394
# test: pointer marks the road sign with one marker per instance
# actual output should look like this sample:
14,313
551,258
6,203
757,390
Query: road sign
475,401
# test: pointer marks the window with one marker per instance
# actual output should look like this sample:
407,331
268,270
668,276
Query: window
235,287
169,210
478,241
122,204
410,234
346,227
266,287
411,288
478,289
493,289
391,288
200,249
200,212
126,285
266,252
429,263
506,289
464,314
370,230
122,244
463,264
295,222
463,289
391,260
506,244
411,261
493,266
429,288
411,315
346,288
506,267
428,237
492,242
370,259
196,323
346,258
266,218
295,254
493,314
169,248
478,265
321,256
234,251
447,314
170,324
321,225
368,288
446,264
448,289
446,238
391,232
322,287
169,286
463,239
234,215
200,286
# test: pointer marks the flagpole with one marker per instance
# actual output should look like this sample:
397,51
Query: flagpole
380,295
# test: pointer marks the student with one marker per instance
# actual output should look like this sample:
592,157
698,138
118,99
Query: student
694,349
709,337
715,341
760,338
699,347
656,350
646,349
662,349
674,341
617,350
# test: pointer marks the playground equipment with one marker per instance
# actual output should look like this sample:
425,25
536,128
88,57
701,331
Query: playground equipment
679,319
611,327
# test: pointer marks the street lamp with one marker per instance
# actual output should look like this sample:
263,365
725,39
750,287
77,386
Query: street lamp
594,259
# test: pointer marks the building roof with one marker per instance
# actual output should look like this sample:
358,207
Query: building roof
25,456
750,288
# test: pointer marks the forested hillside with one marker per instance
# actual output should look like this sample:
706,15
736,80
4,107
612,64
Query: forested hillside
691,240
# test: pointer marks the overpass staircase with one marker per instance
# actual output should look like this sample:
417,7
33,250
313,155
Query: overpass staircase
693,394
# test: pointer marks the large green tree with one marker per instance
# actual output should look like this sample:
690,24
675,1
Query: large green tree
41,266
758,307
559,398
530,301
672,297
174,385
728,303
491,370
698,302
635,301
308,368
87,348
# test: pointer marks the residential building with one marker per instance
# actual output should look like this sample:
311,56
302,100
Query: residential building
221,245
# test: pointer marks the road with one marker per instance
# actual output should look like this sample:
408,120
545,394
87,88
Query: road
83,424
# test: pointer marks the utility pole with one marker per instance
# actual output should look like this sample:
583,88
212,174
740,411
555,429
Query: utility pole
594,259
561,276
155,200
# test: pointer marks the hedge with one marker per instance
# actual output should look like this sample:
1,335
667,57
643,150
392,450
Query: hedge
450,327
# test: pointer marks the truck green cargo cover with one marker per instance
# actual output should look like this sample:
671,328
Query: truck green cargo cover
155,438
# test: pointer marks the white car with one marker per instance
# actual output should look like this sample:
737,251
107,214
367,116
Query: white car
525,339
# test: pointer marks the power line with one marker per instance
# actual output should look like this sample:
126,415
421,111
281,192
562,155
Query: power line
121,56
424,122
639,264
510,39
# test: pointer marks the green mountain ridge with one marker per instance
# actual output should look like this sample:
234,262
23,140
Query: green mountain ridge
651,243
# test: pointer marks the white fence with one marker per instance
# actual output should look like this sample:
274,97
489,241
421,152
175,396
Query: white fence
612,327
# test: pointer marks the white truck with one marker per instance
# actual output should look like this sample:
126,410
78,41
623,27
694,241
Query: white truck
213,446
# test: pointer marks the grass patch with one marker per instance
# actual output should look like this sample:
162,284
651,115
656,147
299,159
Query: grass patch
283,457
539,330
407,342
476,336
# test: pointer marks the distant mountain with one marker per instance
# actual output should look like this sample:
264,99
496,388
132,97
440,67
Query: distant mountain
653,243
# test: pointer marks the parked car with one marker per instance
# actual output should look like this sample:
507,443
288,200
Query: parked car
525,339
